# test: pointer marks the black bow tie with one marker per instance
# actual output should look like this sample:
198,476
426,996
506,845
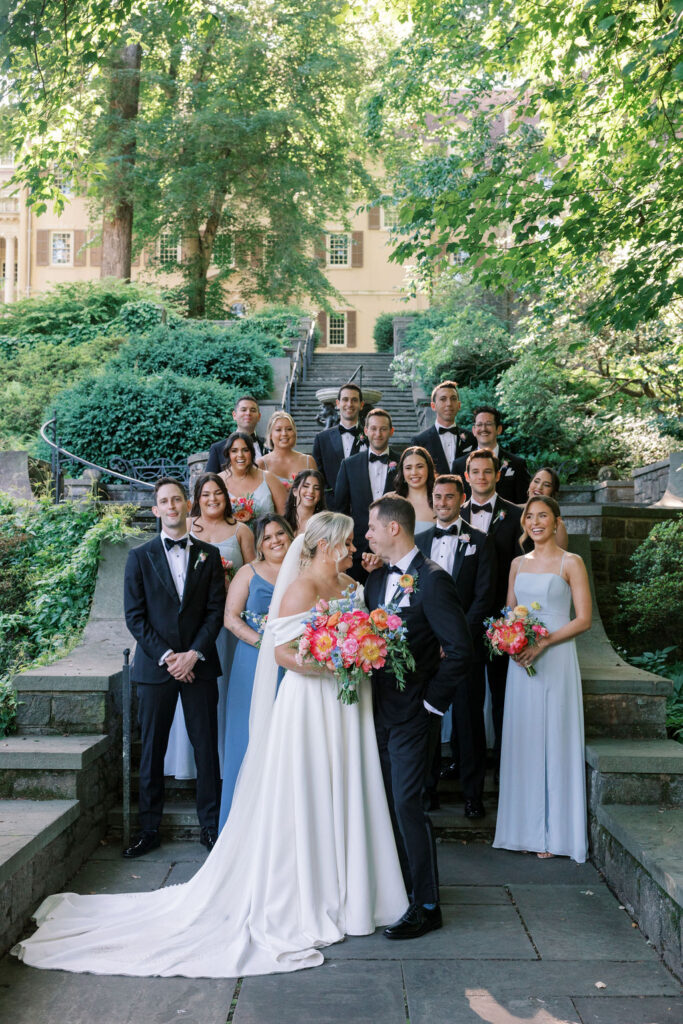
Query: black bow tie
488,507
395,568
379,458
452,531
448,430
170,543
348,430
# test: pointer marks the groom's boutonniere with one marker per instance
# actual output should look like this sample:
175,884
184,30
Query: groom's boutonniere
464,538
201,557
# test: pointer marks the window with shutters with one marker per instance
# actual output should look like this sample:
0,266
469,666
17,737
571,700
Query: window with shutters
389,217
168,249
339,250
62,248
224,250
64,180
6,159
337,329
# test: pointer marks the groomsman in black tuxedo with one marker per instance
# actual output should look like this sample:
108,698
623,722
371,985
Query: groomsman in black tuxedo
469,558
514,476
363,478
174,598
246,415
331,447
445,442
501,520
408,721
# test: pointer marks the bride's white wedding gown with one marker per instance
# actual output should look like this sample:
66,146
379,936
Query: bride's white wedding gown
307,856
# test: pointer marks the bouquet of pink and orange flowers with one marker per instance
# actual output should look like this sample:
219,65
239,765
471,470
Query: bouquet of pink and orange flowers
351,642
514,631
243,508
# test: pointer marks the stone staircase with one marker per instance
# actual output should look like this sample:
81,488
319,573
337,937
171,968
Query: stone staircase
333,370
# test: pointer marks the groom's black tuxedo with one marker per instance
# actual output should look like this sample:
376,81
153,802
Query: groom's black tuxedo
436,623
216,459
328,453
430,439
160,621
353,496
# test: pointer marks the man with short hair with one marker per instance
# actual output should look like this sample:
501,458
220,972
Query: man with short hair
363,478
408,721
332,446
502,521
174,599
246,415
445,442
514,476
468,556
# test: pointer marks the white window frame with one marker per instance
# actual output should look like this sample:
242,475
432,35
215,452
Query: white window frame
64,180
6,159
66,235
391,223
337,316
168,260
336,264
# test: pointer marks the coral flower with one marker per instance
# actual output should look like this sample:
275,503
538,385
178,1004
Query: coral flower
322,643
511,639
333,620
379,618
520,611
406,582
372,652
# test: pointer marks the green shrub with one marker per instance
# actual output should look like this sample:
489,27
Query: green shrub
383,332
472,346
651,601
53,551
199,349
77,311
143,418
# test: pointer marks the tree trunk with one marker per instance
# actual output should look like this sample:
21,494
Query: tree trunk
117,227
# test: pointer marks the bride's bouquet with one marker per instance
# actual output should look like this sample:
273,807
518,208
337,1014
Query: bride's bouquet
351,642
515,630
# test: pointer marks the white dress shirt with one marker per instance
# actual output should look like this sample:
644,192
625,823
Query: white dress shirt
178,560
447,443
378,474
482,520
347,442
444,548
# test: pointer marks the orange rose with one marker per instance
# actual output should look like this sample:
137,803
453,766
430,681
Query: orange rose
379,618
333,620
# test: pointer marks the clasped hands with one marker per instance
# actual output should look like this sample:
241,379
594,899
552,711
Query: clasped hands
530,653
180,665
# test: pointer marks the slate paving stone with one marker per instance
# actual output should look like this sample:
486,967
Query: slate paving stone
98,876
478,931
182,872
462,895
579,923
480,864
479,1005
28,996
169,852
334,993
435,987
631,1010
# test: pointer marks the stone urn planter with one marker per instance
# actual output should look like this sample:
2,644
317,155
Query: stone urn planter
329,416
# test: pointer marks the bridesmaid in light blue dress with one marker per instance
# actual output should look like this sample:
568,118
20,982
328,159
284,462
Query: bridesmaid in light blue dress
253,492
414,480
542,801
248,604
212,521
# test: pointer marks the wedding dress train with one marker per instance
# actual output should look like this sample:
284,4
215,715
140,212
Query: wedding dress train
306,857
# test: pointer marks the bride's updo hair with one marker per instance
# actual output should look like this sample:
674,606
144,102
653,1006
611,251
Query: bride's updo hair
332,527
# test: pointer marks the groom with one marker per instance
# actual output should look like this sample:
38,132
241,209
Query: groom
408,722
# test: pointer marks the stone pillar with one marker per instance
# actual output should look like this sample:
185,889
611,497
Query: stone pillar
10,242
22,261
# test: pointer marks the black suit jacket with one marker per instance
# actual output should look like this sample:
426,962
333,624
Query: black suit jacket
160,621
328,452
435,621
505,531
514,477
474,575
430,439
216,459
353,494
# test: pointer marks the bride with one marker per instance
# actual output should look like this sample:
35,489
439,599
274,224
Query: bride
307,855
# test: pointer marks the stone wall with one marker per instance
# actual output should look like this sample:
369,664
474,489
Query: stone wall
649,482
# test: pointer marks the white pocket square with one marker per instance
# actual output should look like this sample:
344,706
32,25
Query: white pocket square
471,549
509,471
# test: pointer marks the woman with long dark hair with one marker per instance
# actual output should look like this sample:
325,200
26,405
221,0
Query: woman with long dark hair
306,497
253,492
414,480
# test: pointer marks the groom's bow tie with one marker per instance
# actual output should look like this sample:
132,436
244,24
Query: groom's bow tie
448,430
170,543
488,507
347,430
394,569
379,458
452,531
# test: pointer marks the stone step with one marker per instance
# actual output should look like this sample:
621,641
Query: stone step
641,848
51,767
180,822
635,771
58,702
34,858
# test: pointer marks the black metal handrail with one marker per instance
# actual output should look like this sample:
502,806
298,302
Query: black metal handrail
299,368
359,371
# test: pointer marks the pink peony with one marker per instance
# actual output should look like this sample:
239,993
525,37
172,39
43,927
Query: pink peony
322,643
394,622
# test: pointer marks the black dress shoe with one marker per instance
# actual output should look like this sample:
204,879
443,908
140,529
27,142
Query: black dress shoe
144,843
451,772
474,809
431,801
208,837
416,921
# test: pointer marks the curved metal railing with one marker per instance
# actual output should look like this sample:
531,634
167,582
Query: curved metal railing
299,368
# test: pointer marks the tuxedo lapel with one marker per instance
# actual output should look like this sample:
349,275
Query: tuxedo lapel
194,564
460,549
157,557
337,444
364,481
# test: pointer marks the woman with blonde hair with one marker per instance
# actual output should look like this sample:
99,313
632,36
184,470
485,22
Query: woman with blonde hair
283,460
307,854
